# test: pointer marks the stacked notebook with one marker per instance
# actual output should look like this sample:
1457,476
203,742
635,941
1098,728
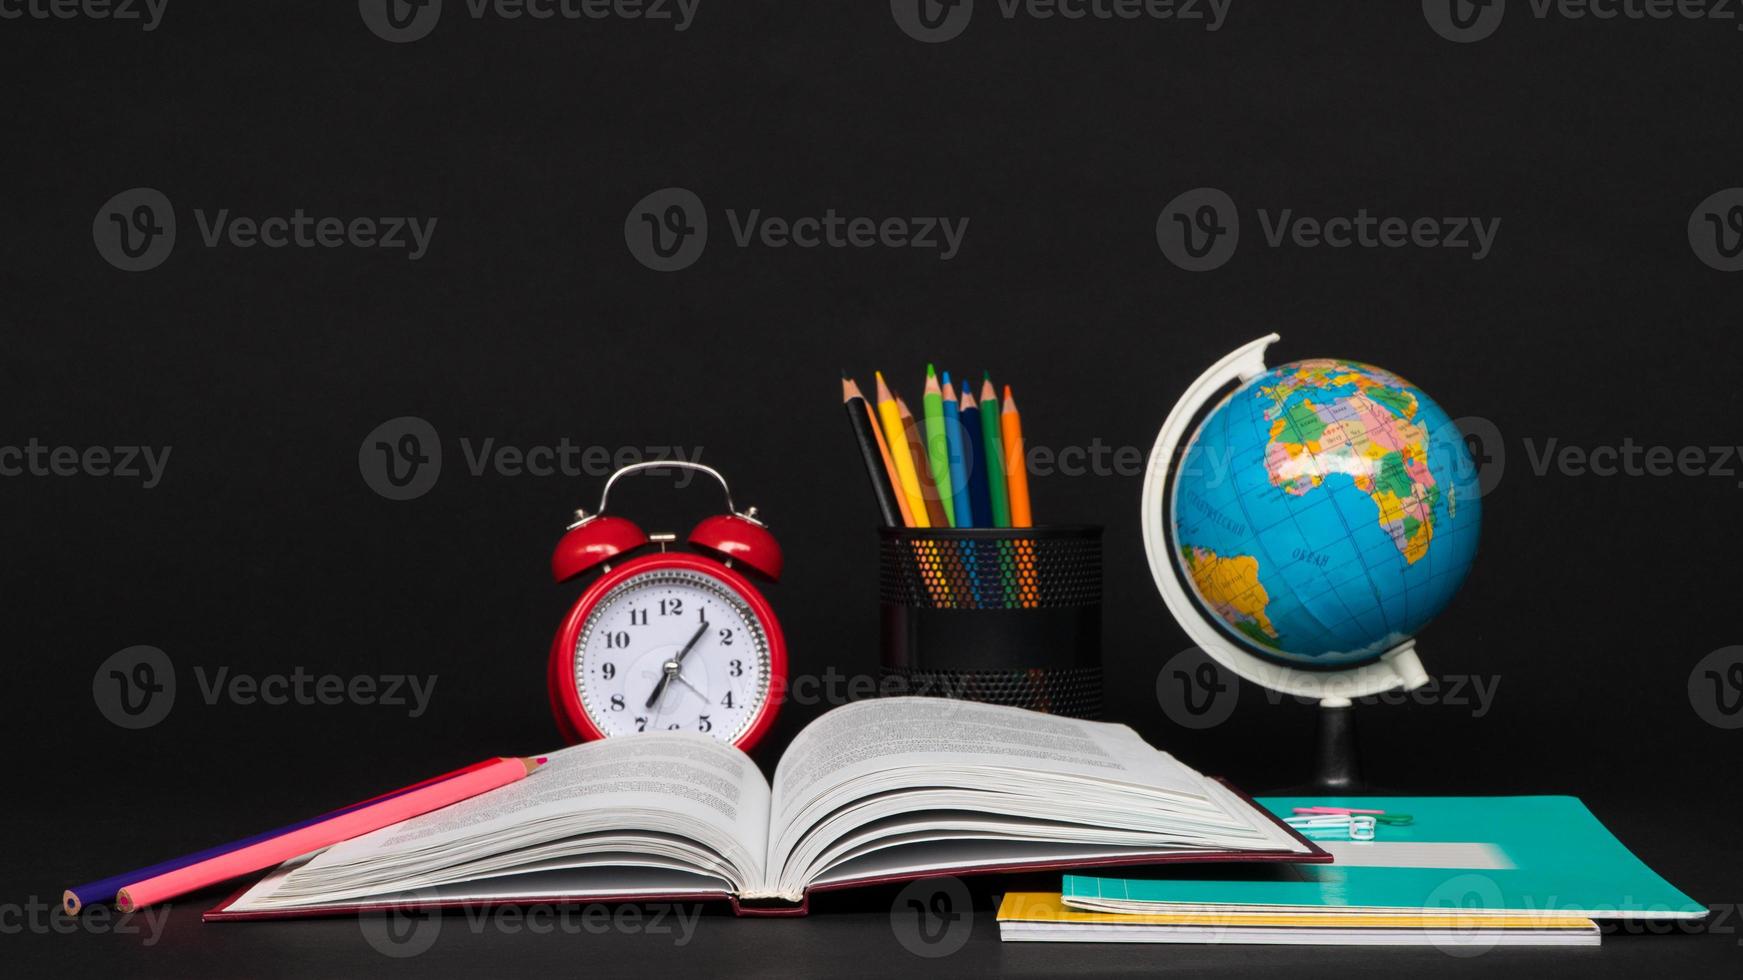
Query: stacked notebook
1468,871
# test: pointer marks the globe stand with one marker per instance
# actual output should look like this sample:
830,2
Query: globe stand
1337,766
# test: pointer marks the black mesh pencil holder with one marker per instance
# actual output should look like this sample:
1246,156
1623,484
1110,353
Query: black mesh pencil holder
999,615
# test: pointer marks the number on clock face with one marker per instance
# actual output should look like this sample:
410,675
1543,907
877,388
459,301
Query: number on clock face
633,671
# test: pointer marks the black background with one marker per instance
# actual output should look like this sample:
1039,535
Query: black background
529,321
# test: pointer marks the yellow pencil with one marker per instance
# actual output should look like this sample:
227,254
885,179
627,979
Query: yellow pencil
897,438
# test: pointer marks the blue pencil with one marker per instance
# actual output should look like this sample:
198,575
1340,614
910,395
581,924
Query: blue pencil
104,889
958,456
979,491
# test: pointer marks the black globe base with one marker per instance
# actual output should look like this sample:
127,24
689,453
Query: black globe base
1337,765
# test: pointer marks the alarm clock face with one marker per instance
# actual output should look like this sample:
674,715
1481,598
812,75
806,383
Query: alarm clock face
673,649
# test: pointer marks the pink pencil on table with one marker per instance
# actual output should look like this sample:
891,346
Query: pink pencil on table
342,827
1339,810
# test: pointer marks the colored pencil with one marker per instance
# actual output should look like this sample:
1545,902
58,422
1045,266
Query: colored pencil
895,436
958,455
928,489
889,465
1016,473
1017,479
326,833
974,455
993,447
872,452
937,445
104,889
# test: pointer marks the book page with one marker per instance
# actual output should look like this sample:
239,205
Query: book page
622,792
870,735
915,735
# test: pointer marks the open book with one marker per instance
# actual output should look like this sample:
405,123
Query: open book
874,791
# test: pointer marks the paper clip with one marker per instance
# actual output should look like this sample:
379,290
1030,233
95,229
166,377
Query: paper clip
1328,826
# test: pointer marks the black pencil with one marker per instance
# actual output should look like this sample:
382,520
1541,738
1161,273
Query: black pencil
868,437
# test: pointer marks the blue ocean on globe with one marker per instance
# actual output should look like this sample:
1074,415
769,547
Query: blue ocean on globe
1324,512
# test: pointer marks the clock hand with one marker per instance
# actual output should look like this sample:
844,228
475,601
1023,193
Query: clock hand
680,679
670,668
700,630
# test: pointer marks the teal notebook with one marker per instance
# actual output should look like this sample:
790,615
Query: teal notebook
1474,854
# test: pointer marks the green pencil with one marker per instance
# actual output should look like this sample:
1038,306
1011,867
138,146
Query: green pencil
995,454
937,443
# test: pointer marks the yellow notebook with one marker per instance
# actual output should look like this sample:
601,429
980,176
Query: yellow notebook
1042,917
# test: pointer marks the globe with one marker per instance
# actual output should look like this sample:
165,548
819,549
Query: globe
1324,511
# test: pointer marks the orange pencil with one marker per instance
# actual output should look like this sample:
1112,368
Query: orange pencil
351,823
928,487
1016,473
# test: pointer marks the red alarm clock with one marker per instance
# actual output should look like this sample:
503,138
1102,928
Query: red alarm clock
668,640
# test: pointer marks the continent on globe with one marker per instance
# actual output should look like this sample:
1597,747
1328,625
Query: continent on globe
1367,432
1230,586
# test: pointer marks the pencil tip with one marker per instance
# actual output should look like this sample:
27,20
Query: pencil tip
929,371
